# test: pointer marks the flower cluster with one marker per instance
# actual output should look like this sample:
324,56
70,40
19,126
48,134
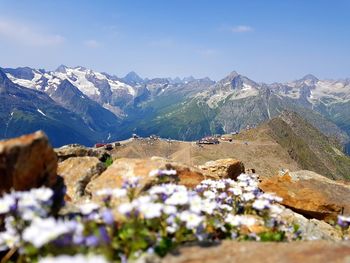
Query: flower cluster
149,220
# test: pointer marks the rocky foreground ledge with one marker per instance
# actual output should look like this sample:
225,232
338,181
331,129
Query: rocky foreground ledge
310,201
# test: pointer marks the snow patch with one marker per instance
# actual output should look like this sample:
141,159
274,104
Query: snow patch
41,112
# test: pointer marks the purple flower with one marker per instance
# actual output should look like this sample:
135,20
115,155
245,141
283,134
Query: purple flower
91,241
107,216
104,235
131,182
343,221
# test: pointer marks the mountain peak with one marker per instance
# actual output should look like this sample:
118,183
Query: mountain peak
188,79
309,77
61,68
133,77
233,74
132,74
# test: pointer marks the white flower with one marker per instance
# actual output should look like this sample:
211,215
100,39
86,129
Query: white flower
42,194
169,209
74,259
27,200
42,231
242,184
196,204
250,188
209,194
208,182
145,199
151,210
154,173
28,214
125,208
271,197
243,177
248,220
261,204
158,189
235,190
169,172
209,206
117,193
225,207
276,210
253,183
88,208
233,220
5,204
8,239
177,198
105,191
157,172
220,185
222,195
237,220
248,196
171,229
192,220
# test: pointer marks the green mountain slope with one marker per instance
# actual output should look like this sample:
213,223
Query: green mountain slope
308,147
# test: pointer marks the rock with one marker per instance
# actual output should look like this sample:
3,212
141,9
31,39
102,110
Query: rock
78,172
311,229
223,168
125,167
77,150
264,252
27,162
310,194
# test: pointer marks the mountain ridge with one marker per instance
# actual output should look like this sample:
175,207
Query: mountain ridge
191,108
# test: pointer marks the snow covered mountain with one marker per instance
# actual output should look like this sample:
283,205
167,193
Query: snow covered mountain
108,91
237,102
188,108
25,110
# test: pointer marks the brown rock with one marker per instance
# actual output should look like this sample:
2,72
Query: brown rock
265,252
223,168
77,150
310,194
78,172
311,229
27,162
125,167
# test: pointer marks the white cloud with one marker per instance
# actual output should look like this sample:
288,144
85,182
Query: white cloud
91,43
241,29
25,34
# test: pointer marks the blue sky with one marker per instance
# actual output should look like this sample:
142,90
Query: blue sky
265,40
